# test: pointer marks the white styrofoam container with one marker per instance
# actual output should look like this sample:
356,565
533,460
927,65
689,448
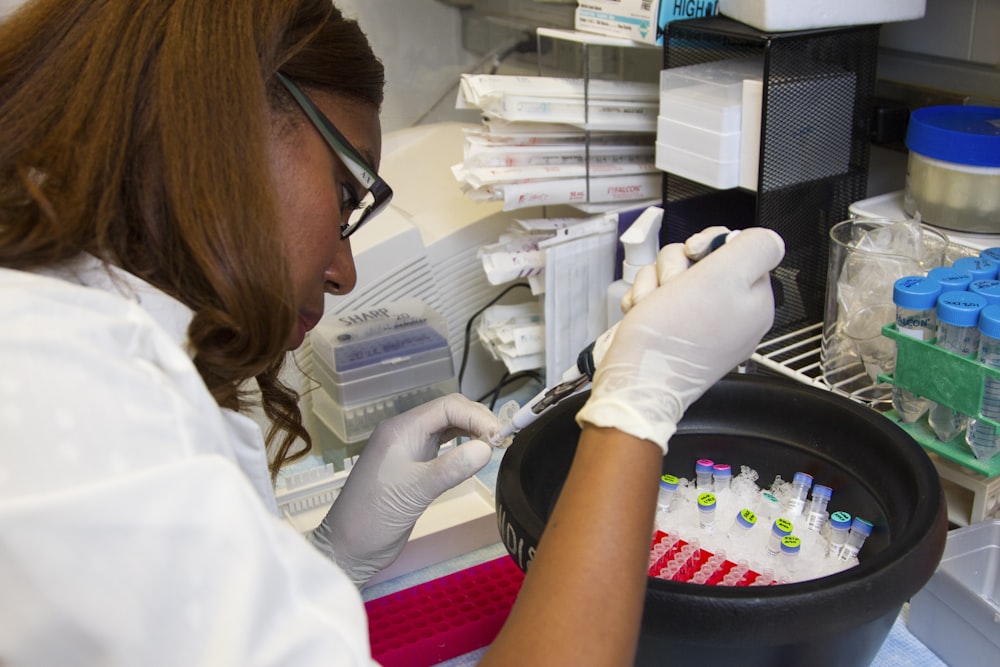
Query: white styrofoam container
707,95
698,168
723,147
785,15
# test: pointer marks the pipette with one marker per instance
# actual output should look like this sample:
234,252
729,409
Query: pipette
573,381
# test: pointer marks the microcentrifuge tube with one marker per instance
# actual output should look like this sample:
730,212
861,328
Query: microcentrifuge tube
780,528
817,514
706,511
860,530
790,547
703,469
668,489
768,506
840,523
505,436
797,498
745,520
722,475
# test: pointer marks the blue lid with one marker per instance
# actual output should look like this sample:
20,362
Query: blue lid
802,478
840,520
916,292
967,135
722,470
960,308
991,253
746,518
822,491
950,278
790,545
980,267
861,526
704,465
989,321
987,288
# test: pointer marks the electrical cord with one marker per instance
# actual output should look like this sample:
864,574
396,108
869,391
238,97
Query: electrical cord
507,379
468,328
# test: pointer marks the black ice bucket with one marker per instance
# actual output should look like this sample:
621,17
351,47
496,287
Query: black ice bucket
777,427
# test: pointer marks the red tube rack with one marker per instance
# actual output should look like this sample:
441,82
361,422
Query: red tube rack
687,571
443,618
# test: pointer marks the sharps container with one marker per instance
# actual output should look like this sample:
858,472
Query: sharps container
953,169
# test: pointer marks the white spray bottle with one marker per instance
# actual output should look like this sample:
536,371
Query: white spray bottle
642,243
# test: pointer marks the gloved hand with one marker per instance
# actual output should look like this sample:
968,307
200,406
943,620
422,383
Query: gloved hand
672,260
683,336
398,474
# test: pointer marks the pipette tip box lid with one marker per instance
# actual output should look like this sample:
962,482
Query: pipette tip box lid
364,355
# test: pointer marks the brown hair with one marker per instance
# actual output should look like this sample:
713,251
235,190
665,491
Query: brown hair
137,132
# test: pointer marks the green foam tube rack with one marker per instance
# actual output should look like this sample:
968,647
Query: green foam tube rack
947,379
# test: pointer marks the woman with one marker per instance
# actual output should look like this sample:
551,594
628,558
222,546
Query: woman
178,182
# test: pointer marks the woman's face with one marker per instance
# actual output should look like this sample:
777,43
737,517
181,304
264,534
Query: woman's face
311,180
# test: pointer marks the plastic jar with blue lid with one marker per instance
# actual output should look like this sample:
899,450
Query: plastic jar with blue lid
954,166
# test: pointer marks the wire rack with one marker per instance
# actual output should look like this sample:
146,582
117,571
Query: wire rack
797,355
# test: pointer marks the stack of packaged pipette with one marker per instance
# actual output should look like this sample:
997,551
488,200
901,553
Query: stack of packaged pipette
550,140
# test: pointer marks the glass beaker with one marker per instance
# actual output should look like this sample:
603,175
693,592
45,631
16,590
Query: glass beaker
867,256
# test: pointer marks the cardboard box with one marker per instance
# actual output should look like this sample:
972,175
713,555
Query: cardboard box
639,20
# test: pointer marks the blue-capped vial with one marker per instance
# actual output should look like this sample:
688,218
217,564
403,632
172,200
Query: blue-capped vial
790,548
982,437
980,268
915,298
990,289
744,521
706,511
950,278
958,319
816,515
856,536
722,476
779,529
703,474
840,525
796,499
667,492
991,253
768,506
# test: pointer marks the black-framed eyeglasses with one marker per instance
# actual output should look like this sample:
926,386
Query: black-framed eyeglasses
378,193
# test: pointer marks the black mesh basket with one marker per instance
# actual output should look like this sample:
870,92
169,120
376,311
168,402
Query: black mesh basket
818,87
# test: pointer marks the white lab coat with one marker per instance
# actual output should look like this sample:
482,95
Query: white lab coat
137,522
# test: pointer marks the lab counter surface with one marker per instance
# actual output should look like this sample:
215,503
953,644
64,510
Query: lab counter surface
901,648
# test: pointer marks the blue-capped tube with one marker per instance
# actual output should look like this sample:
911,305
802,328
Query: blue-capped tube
982,437
722,476
980,268
744,521
706,511
768,506
816,515
915,298
703,469
860,530
840,524
951,278
667,493
779,529
958,317
790,548
796,500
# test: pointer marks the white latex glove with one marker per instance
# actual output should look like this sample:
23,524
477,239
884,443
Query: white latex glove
682,337
398,474
672,260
